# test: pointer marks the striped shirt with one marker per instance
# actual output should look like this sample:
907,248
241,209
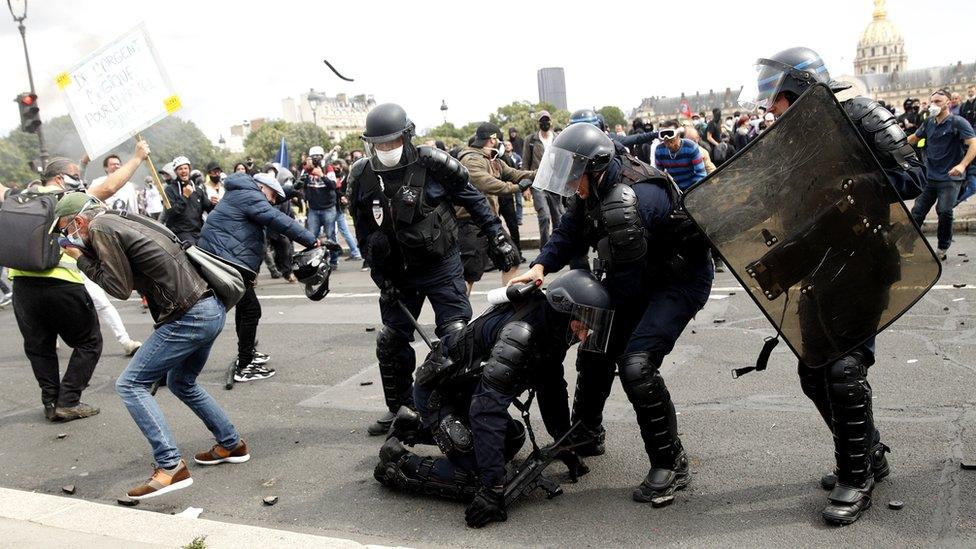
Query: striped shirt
686,166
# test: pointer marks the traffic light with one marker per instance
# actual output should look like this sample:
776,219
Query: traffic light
30,115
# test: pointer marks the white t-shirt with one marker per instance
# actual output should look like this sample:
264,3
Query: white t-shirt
154,202
123,199
546,142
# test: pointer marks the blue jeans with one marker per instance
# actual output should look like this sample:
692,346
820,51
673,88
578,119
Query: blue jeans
943,194
319,220
350,239
179,350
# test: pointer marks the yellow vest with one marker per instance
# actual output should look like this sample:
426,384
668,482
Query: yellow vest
67,268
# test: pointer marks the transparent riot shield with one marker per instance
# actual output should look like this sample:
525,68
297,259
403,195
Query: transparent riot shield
807,221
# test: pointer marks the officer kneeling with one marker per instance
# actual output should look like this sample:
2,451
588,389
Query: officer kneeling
464,390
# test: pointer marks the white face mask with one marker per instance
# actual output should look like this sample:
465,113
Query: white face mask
934,110
390,158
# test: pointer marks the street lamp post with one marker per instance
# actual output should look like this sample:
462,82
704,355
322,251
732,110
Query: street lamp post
444,110
314,99
19,13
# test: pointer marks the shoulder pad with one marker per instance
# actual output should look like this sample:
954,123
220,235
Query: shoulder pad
509,357
357,168
623,224
442,167
880,129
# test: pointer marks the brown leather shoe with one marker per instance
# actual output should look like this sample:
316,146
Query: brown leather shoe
162,482
79,411
218,454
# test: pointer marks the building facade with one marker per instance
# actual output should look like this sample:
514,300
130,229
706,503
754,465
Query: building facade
880,72
339,116
552,86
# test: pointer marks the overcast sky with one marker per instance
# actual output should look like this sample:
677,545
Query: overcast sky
232,61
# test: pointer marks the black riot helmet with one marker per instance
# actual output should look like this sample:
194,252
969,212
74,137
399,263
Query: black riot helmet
580,295
384,124
579,149
790,71
312,269
588,116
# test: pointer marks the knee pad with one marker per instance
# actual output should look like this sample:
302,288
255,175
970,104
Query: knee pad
453,437
449,329
847,380
389,345
640,377
508,357
813,381
514,439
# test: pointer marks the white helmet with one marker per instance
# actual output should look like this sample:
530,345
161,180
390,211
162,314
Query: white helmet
316,151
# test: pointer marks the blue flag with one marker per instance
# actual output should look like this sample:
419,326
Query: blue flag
282,156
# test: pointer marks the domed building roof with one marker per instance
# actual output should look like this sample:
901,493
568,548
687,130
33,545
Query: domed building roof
881,49
880,31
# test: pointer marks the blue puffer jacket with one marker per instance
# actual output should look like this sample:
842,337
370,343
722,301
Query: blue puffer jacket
235,228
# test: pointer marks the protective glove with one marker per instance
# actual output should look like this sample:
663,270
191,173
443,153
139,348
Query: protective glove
389,294
502,252
524,184
488,506
573,463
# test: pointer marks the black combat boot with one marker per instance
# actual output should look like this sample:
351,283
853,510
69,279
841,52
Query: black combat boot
402,470
879,466
661,483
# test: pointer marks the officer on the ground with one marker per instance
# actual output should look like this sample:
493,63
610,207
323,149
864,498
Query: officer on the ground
464,391
402,197
840,390
658,273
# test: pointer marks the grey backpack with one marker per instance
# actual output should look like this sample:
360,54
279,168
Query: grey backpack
27,242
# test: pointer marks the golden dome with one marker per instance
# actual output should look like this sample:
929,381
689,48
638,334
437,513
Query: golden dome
880,32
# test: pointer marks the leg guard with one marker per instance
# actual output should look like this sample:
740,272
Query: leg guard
405,471
593,383
813,382
397,362
853,420
652,402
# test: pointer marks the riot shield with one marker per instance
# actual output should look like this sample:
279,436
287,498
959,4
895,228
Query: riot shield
807,220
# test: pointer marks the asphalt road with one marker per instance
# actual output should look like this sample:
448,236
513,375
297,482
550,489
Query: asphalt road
757,445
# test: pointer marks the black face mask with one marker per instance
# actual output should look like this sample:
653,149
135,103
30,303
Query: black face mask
544,125
214,178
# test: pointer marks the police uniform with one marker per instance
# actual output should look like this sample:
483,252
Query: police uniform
659,276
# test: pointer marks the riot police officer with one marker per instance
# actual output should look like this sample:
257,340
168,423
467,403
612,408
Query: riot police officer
657,271
402,199
464,391
840,389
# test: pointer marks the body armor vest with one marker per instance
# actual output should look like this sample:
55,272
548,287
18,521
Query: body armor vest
425,233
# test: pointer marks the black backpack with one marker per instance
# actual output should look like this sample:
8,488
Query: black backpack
26,223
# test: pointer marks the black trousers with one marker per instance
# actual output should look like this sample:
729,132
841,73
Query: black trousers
247,314
506,209
282,250
45,309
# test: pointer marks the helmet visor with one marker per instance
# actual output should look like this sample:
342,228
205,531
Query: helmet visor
560,171
589,326
761,89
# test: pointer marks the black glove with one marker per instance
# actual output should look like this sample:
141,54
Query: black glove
524,184
389,294
573,463
502,252
488,506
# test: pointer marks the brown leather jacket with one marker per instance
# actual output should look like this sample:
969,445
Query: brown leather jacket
490,176
124,255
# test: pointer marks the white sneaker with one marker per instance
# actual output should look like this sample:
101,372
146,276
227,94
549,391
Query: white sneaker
5,300
130,346
942,254
260,359
252,373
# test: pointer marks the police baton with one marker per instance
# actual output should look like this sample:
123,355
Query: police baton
416,325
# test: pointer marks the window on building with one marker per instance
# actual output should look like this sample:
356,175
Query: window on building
884,50
872,51
885,68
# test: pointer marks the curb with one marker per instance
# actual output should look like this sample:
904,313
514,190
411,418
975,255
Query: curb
38,520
